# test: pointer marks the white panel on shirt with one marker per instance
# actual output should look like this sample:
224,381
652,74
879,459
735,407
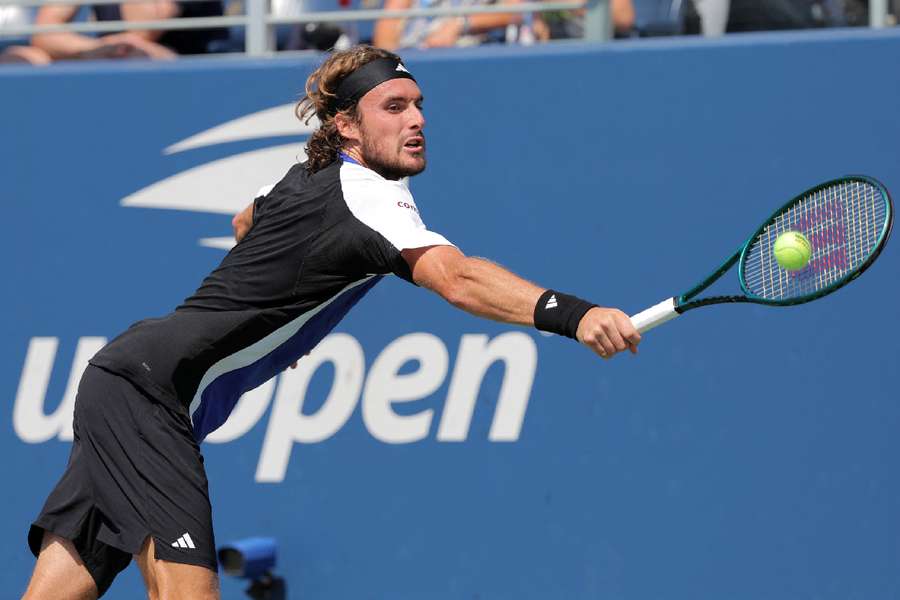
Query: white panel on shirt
387,207
264,191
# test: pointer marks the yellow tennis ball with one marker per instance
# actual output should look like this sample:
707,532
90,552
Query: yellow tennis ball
792,250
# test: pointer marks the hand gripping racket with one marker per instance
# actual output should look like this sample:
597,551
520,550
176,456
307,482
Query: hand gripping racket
847,222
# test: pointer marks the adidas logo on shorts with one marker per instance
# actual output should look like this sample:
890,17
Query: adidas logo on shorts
184,541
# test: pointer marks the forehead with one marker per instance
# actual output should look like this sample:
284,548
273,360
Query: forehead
392,88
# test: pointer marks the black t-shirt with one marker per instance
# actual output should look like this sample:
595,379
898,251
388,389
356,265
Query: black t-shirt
318,243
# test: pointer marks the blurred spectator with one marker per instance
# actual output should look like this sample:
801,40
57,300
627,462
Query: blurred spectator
320,36
129,44
434,32
300,36
713,16
566,24
769,15
16,49
665,17
856,12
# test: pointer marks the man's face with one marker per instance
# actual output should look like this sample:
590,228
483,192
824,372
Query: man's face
391,129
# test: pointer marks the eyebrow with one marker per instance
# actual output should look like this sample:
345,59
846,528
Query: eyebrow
417,99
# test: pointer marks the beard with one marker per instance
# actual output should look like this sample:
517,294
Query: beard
390,167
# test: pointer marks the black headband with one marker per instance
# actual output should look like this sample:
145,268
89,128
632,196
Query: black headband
359,82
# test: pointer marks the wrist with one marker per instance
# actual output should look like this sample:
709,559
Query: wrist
560,313
464,25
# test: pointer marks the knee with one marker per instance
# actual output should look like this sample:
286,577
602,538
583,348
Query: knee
179,582
182,592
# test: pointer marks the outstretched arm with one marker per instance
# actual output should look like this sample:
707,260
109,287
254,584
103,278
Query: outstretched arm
487,290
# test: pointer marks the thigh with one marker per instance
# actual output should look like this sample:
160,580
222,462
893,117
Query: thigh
72,514
60,573
147,475
178,509
167,580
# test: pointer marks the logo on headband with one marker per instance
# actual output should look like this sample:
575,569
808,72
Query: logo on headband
400,67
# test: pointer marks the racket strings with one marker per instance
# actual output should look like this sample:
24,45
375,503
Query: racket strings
843,223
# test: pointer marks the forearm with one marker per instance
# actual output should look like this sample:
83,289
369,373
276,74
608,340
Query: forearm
480,23
387,33
488,21
487,290
490,291
64,45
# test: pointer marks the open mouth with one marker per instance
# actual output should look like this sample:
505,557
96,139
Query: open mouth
417,143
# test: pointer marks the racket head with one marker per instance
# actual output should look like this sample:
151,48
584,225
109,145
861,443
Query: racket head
847,222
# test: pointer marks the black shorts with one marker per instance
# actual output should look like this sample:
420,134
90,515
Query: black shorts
135,471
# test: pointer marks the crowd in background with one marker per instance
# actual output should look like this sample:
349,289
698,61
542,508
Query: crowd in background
631,18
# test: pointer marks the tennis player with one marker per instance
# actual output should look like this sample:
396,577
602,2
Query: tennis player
307,251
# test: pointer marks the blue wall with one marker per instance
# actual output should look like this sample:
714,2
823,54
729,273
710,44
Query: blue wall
745,453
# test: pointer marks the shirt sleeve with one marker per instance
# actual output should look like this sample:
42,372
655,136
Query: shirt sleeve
387,208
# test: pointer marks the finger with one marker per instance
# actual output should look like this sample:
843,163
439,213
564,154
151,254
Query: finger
631,335
599,351
604,347
633,340
633,348
594,344
294,365
615,338
628,331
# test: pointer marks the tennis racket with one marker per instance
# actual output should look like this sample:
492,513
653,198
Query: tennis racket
847,222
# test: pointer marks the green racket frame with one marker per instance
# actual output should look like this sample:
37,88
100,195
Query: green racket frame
672,307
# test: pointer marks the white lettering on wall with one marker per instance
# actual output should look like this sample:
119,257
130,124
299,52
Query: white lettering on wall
380,392
288,424
30,422
518,353
384,387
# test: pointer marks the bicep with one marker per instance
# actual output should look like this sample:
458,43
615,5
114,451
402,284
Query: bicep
434,267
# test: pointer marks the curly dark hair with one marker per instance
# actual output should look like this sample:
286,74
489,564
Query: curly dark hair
321,89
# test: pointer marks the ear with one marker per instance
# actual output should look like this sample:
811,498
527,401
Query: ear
347,127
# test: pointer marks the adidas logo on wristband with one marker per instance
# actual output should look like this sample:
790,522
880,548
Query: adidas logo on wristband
561,313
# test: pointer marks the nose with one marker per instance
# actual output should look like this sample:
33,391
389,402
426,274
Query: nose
417,117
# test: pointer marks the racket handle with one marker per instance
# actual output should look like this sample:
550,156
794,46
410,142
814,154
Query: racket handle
655,315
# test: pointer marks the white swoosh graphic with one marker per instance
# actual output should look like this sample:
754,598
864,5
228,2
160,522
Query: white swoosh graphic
272,122
223,243
223,186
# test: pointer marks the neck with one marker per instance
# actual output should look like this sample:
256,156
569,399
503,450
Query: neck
355,154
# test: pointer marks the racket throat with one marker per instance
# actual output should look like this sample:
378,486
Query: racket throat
656,315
